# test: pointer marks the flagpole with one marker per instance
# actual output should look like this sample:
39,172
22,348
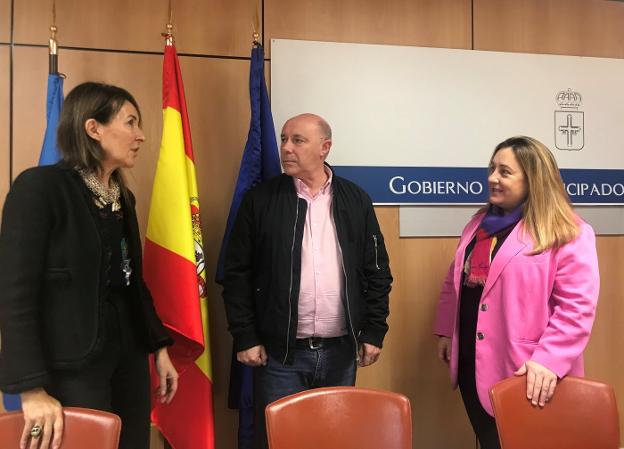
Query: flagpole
53,61
52,45
169,34
255,26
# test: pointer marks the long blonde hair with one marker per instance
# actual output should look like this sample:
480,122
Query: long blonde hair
548,216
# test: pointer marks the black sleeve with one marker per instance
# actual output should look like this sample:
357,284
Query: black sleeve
378,280
26,223
238,279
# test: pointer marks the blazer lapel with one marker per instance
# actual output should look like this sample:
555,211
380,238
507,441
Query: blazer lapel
460,254
510,247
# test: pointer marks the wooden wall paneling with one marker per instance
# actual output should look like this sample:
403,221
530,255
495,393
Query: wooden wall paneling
444,23
220,27
567,27
156,439
5,20
603,360
408,362
4,124
29,102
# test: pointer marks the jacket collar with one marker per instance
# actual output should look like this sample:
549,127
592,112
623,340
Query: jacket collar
513,244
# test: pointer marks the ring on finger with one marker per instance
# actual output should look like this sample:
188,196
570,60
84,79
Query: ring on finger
36,430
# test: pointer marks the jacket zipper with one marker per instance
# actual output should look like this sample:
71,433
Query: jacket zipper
292,250
375,239
344,271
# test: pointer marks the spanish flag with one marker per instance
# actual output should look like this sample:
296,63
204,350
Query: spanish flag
174,271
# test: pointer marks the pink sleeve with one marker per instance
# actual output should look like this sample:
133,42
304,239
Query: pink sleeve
573,300
447,305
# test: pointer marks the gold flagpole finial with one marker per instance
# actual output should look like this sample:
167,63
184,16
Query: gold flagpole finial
169,34
52,45
255,26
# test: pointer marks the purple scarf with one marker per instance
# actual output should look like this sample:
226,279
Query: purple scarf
492,224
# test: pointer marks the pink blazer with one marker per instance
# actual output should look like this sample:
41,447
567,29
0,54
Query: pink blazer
539,307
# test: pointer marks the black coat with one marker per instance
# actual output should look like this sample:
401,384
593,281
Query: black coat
262,269
54,278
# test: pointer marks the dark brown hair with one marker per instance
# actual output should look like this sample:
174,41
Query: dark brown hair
89,100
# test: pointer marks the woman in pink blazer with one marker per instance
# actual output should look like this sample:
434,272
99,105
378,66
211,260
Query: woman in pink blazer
526,271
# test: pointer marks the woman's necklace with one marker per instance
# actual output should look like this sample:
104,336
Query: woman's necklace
103,196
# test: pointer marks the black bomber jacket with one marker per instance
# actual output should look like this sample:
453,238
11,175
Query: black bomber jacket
263,264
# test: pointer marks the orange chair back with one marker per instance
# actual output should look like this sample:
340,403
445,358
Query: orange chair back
340,418
581,415
84,429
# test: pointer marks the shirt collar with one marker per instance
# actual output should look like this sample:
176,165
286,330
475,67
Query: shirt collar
302,188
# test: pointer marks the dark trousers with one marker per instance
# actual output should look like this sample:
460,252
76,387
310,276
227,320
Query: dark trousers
331,365
483,424
116,380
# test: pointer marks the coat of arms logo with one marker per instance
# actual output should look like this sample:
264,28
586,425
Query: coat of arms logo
569,121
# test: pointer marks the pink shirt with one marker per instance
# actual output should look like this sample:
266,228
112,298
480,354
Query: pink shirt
321,313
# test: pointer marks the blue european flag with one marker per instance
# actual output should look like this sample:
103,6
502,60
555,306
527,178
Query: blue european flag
260,162
49,151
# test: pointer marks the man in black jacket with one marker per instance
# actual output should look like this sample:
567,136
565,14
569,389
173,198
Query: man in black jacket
306,273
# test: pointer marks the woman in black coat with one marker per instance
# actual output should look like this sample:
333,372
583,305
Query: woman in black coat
76,320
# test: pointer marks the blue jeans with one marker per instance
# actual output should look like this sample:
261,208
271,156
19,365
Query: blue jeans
332,365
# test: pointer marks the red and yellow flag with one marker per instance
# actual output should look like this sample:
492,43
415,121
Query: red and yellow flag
174,271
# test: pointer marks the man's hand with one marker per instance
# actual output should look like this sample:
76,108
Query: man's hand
255,356
368,354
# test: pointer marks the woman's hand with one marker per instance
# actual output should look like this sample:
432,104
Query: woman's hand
444,349
167,374
541,382
41,411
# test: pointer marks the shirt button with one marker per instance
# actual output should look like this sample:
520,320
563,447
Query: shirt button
480,335
484,307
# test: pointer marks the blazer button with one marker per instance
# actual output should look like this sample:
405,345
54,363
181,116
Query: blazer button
480,335
484,307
